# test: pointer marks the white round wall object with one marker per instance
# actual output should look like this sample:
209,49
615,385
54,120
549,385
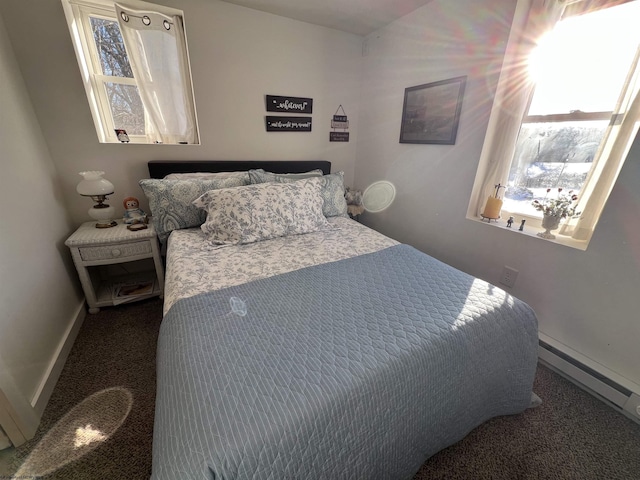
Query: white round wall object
378,196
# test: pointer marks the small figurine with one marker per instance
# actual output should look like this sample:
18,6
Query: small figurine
522,225
510,222
352,196
122,135
133,214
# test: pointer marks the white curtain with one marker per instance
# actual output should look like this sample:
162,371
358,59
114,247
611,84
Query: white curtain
609,158
156,47
532,19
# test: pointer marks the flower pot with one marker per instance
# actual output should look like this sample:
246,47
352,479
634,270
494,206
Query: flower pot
549,222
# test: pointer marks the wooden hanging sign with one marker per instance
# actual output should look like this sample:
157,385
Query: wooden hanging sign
338,136
340,122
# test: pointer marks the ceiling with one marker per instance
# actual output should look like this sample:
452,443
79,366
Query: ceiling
359,17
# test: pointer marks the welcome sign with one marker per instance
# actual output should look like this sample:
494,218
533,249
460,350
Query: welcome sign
289,104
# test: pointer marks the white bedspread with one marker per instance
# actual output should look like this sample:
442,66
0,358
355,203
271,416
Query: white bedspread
195,266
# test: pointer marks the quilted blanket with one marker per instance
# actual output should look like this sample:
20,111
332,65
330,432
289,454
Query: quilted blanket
357,369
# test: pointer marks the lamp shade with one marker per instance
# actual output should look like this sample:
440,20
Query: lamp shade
93,184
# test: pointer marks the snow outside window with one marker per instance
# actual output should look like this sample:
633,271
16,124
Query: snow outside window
573,97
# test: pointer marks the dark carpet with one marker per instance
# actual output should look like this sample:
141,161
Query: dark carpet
572,435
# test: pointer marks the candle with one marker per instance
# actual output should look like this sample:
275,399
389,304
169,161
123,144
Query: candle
492,208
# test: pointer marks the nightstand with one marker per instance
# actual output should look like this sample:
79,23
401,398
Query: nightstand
116,265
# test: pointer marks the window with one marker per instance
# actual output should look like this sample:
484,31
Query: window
578,80
578,95
124,89
115,78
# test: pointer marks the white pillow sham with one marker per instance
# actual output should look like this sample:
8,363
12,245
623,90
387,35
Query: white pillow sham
332,190
251,213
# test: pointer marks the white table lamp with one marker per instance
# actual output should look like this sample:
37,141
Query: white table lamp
94,186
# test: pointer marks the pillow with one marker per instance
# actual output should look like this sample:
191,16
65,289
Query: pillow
262,211
332,191
208,175
261,176
171,201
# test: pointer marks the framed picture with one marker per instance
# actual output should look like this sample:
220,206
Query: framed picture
431,112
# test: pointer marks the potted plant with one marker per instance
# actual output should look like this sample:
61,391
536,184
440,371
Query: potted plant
554,210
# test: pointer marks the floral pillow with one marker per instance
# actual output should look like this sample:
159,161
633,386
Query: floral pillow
332,190
208,176
262,211
171,201
262,176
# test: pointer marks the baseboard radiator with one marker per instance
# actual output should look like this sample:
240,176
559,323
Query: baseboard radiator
601,386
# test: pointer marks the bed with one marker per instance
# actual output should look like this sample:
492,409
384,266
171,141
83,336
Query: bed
332,353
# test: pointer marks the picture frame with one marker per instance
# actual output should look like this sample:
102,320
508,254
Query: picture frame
431,112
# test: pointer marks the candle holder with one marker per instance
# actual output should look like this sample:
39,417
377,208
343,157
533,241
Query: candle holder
493,206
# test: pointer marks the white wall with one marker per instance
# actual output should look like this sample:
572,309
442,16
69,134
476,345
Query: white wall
237,56
585,300
38,298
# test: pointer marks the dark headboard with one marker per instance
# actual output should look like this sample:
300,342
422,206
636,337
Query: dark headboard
162,168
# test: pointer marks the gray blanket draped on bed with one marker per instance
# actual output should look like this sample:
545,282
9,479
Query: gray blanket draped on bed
357,369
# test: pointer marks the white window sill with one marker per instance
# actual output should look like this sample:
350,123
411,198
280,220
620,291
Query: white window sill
531,229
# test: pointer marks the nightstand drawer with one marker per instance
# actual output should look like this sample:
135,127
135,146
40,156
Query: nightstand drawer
109,252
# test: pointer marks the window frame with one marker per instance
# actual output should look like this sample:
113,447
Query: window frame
78,14
488,165
97,78
575,116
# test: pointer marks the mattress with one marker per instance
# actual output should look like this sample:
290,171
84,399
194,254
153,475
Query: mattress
354,367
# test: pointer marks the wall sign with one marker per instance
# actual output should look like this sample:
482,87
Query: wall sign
339,122
289,104
288,124
338,136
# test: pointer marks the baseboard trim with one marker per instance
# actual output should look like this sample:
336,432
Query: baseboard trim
48,383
